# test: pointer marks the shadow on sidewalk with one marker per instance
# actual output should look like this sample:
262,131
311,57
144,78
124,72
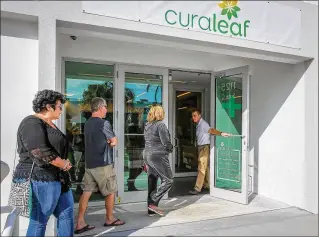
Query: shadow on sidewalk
134,214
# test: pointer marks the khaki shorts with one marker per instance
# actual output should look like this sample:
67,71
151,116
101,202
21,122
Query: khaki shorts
100,178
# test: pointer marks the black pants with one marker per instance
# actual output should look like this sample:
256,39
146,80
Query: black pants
133,174
158,170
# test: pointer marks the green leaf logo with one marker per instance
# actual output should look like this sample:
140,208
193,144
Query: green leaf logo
230,8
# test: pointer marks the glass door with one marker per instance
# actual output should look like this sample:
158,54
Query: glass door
83,82
138,89
229,169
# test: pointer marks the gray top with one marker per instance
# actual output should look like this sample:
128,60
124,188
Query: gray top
203,137
98,152
157,137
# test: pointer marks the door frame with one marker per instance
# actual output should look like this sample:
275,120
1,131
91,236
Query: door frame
217,192
132,196
173,111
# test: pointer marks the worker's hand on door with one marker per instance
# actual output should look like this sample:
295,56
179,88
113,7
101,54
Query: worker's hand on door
224,134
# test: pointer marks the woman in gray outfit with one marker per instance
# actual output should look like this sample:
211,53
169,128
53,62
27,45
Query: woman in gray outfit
157,148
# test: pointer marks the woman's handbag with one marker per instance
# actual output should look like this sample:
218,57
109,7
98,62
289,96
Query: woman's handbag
21,194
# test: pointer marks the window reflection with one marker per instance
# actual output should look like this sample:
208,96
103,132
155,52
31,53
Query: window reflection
141,92
84,81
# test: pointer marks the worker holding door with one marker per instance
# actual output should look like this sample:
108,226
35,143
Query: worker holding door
203,133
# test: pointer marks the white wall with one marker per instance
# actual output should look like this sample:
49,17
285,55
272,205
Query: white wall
19,83
285,129
287,166
282,111
310,164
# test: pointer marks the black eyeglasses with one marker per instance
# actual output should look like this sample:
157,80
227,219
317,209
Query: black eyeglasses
59,106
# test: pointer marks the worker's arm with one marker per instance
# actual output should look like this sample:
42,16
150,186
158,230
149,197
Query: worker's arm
215,132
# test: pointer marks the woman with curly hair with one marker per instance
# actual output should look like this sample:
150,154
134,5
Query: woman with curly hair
44,147
157,148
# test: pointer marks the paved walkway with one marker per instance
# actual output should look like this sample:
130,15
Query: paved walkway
283,222
204,215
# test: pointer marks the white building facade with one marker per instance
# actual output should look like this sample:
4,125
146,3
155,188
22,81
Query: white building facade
252,67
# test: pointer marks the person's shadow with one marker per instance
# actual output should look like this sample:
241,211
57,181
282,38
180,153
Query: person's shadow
135,216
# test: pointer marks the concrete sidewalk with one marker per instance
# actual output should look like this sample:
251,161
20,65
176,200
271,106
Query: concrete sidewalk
185,213
283,222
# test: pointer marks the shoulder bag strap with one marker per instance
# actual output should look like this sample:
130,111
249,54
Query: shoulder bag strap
15,157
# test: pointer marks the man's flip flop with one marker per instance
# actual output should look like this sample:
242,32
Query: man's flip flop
85,228
114,223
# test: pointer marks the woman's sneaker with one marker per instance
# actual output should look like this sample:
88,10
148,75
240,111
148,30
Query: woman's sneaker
151,213
155,209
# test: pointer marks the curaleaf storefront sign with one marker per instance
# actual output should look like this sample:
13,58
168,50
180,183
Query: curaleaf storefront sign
216,23
266,22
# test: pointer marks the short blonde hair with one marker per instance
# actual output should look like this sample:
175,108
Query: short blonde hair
156,113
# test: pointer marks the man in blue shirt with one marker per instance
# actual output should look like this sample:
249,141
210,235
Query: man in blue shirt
203,133
99,174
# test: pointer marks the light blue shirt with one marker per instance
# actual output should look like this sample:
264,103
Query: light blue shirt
203,137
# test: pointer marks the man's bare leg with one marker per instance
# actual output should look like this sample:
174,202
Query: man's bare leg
109,206
83,204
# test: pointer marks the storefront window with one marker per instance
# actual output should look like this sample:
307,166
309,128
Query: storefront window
84,81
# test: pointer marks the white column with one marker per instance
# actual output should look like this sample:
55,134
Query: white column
47,39
311,136
47,52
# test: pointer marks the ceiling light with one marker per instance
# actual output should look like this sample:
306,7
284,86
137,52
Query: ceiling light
186,93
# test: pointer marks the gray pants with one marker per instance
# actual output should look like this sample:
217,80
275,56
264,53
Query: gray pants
158,168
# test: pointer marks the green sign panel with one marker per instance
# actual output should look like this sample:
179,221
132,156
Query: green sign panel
228,150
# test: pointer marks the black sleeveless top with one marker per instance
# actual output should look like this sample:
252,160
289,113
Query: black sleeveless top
40,143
